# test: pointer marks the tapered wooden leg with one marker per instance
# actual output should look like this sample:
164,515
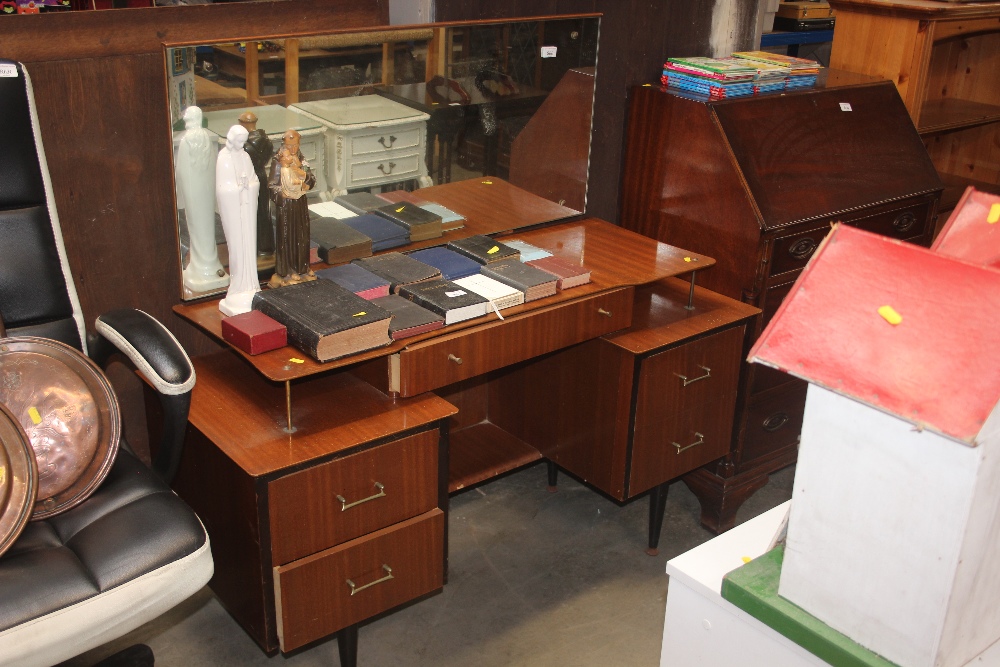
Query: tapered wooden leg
657,506
347,644
553,470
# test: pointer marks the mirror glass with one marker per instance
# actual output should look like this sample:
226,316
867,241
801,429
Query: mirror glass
384,110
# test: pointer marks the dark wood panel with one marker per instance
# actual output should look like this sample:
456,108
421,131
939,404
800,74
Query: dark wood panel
307,515
482,452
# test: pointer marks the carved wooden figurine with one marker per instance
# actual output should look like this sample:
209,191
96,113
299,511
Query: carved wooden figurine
260,150
290,179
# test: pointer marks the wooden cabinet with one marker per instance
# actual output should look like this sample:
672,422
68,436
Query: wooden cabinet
756,183
632,410
943,58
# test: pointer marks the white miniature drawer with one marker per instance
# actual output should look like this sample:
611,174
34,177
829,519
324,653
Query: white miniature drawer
395,168
386,139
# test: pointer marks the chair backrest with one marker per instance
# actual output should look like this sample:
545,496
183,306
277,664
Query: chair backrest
37,295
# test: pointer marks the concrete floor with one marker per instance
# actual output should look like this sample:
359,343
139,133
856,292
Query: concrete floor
535,579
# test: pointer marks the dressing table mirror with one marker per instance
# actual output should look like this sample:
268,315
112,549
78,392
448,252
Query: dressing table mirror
400,108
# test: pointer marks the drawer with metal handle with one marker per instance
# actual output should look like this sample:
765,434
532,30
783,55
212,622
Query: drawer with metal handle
324,593
386,139
399,167
345,498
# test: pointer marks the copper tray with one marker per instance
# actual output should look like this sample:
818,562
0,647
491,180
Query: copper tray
70,414
18,479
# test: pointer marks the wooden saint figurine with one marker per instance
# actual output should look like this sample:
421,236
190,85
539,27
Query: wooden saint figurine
260,150
236,187
195,174
289,181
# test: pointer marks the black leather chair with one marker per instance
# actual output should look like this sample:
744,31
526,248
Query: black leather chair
133,549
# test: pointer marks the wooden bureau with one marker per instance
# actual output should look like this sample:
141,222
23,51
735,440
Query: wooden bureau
756,183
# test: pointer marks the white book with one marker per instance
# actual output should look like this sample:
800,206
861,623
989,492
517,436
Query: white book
500,295
330,209
529,252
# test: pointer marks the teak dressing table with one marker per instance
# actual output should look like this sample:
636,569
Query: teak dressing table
320,526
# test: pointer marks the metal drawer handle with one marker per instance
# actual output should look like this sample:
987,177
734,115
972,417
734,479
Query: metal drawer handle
700,440
381,167
357,589
775,421
904,222
802,248
344,505
606,313
708,374
457,360
392,140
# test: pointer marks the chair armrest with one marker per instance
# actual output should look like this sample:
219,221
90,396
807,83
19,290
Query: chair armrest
163,362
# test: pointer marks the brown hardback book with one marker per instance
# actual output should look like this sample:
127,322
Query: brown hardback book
422,224
359,202
483,249
408,319
338,242
535,283
324,320
398,269
568,273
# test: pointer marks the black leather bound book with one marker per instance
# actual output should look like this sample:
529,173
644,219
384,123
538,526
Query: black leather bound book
535,283
446,298
408,319
324,320
398,269
339,242
360,202
422,223
483,249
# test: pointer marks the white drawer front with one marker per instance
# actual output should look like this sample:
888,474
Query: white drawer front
387,169
386,139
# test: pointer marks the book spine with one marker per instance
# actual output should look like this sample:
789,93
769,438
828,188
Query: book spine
422,302
299,335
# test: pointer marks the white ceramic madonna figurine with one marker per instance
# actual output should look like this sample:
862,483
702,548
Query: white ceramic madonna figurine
236,186
195,173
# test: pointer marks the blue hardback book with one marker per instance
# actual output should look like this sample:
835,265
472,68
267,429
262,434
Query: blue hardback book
451,264
383,232
359,280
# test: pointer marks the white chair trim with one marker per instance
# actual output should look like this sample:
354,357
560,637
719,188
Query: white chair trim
68,632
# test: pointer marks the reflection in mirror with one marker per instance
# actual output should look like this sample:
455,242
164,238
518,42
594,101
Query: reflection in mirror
398,110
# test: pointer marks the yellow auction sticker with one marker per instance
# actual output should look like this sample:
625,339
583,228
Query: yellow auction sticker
890,315
360,314
36,418
994,214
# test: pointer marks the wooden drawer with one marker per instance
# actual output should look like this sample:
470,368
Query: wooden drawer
670,445
687,376
670,417
387,139
773,421
321,594
910,221
307,515
465,354
396,167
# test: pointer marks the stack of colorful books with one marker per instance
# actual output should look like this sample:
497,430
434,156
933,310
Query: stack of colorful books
802,72
719,78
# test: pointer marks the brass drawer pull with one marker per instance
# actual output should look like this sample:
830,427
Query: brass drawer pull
904,222
606,313
775,421
392,140
457,360
802,248
357,589
700,440
381,167
344,505
708,374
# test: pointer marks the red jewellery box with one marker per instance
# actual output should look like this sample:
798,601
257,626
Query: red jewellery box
254,332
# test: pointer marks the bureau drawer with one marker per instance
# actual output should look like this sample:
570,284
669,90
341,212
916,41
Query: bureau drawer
323,593
395,168
379,487
387,139
792,251
448,359
773,421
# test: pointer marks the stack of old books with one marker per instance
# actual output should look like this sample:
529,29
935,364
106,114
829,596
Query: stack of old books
719,78
802,71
